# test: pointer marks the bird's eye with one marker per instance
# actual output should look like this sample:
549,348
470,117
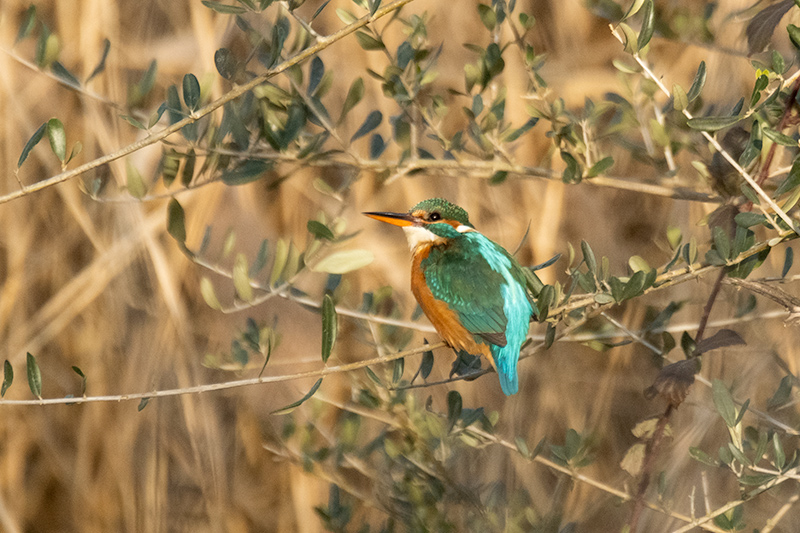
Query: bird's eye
433,217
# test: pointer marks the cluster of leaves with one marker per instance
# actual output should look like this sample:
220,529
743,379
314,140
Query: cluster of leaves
411,458
34,375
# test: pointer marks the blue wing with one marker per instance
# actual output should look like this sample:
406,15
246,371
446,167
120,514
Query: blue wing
485,286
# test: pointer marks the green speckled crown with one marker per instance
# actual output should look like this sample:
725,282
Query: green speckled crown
447,210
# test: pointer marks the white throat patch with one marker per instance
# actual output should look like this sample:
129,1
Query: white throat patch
417,235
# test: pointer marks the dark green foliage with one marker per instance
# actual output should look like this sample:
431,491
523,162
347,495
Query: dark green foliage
33,141
34,376
8,377
294,405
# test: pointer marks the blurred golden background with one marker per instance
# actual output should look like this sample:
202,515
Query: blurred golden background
99,284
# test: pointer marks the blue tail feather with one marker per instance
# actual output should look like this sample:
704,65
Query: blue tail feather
506,363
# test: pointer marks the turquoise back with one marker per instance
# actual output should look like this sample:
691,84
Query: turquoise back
485,286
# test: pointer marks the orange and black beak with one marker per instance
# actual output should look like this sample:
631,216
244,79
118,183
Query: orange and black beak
396,219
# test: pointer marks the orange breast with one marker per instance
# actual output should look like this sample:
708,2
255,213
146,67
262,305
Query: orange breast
441,316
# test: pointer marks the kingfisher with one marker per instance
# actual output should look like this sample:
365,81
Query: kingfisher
471,289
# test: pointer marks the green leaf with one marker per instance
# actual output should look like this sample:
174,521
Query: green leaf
294,405
329,327
648,23
133,122
354,96
139,91
228,245
207,291
191,91
368,42
58,138
571,174
522,130
780,455
738,454
792,179
549,335
246,172
600,167
156,115
33,141
397,371
319,10
721,242
224,8
372,121
631,39
638,263
498,177
176,225
174,107
83,379
522,447
188,168
698,83
241,278
724,402
345,16
65,75
170,163
344,261
279,263
226,63
794,35
634,286
320,230
788,259
778,137
27,24
588,256
376,146
143,403
374,5
426,366
603,298
782,394
761,83
635,7
680,100
8,377
34,376
135,183
47,48
748,219
316,71
261,258
101,65
713,123
454,407
700,455
373,376
488,16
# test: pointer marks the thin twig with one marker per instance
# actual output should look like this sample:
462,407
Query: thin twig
197,389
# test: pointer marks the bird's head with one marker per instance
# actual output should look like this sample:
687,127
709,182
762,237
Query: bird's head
432,221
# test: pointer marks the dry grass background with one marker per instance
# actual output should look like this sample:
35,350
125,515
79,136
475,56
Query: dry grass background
101,286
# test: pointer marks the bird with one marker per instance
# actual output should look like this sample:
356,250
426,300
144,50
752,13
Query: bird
471,289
